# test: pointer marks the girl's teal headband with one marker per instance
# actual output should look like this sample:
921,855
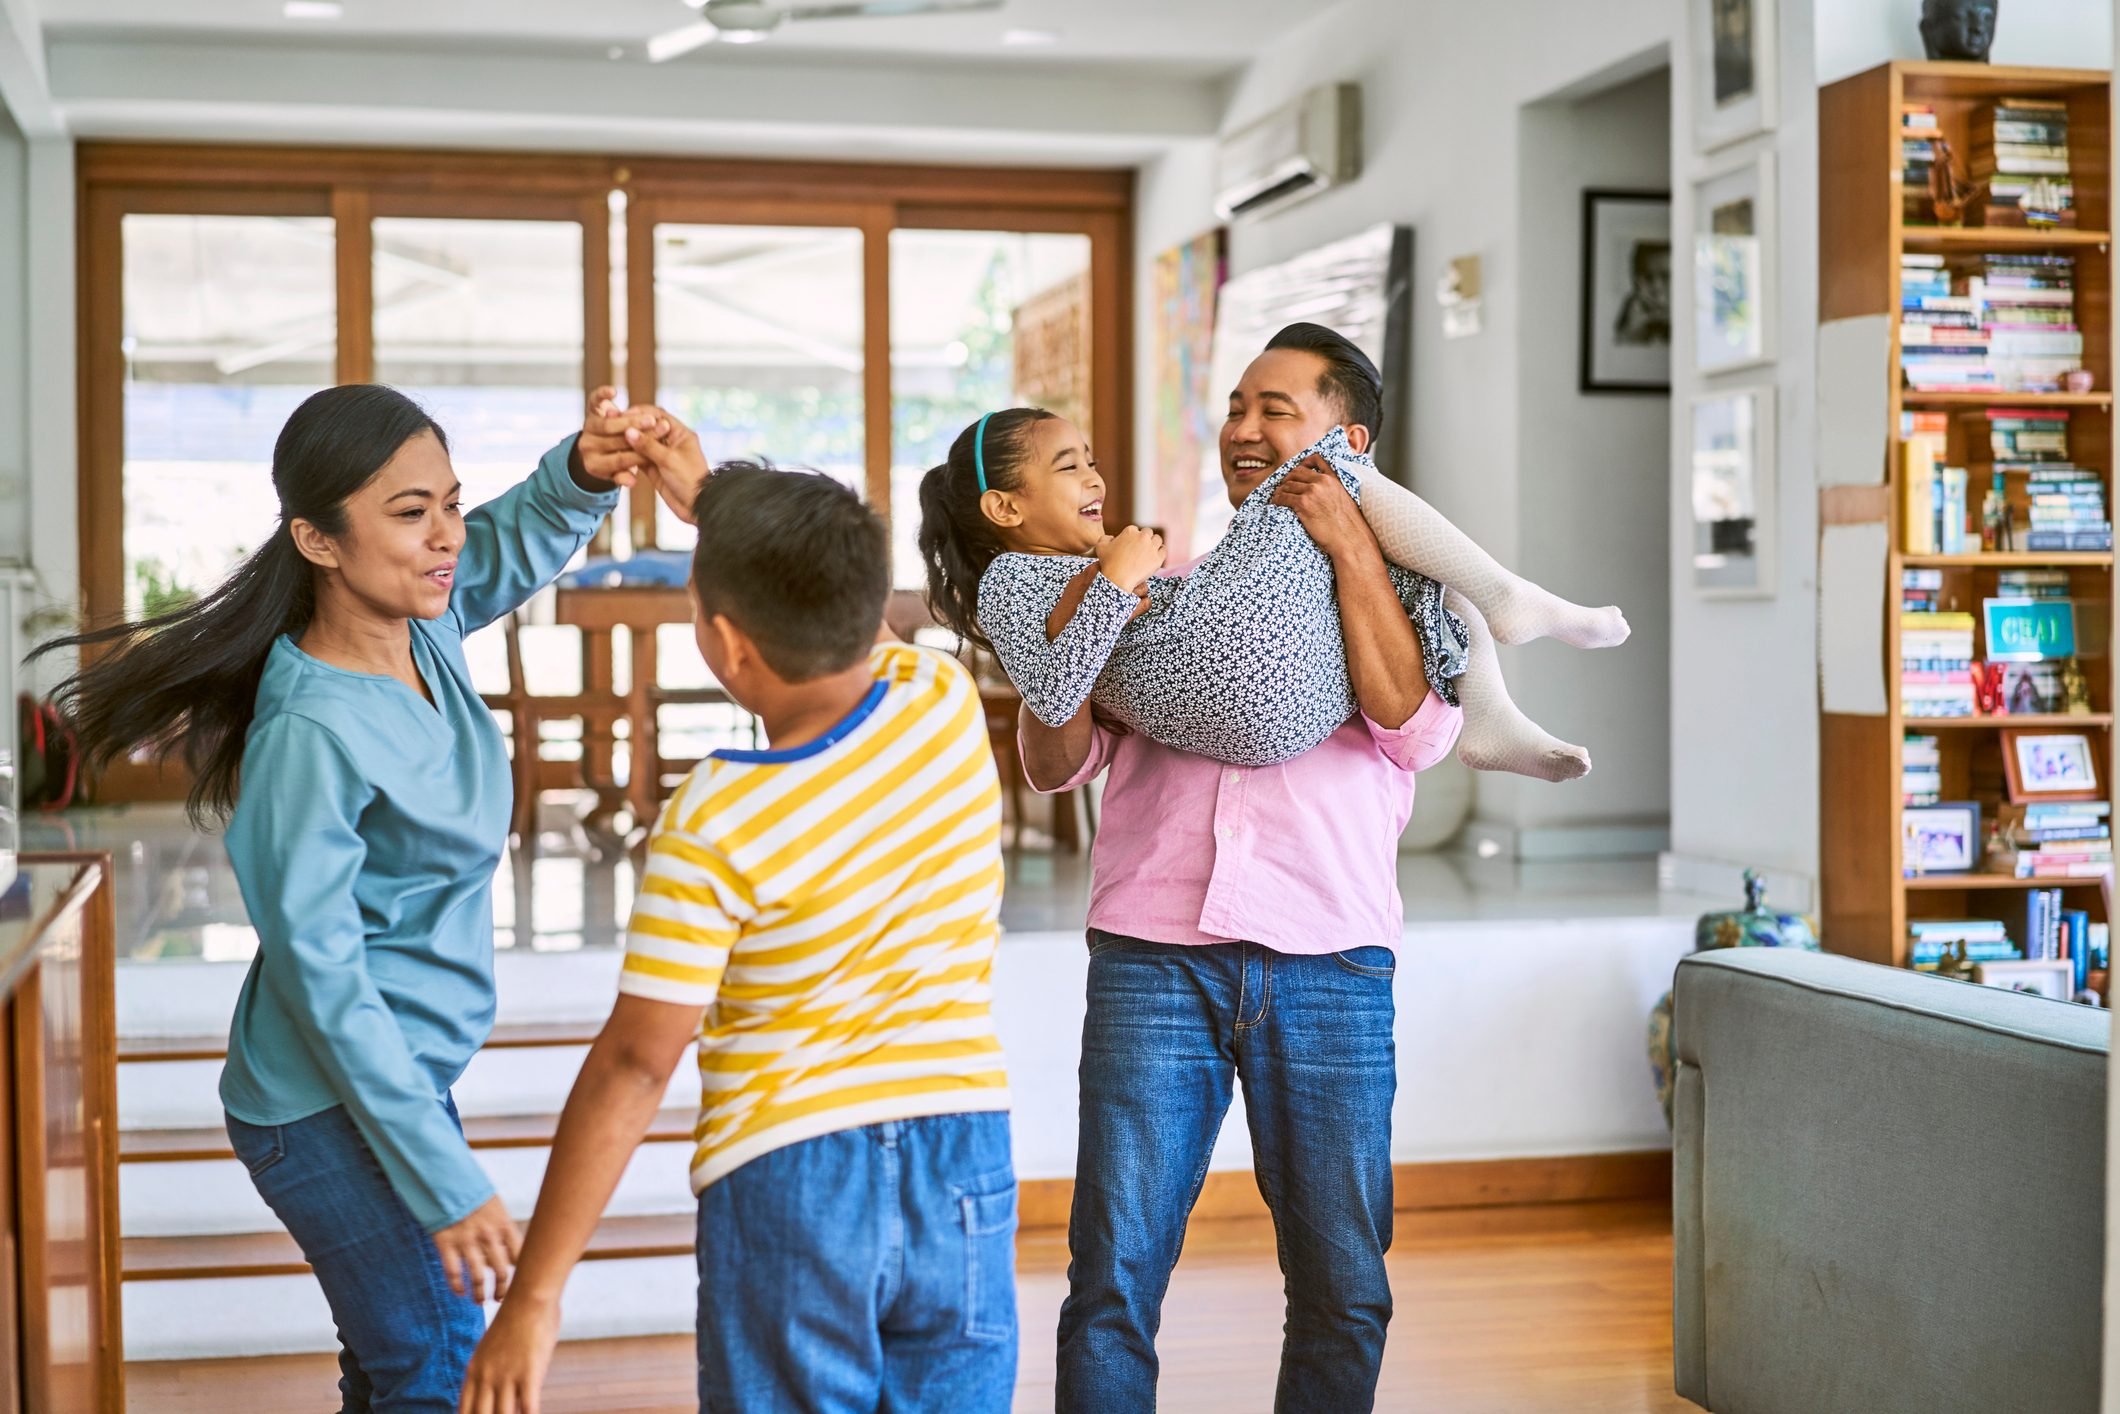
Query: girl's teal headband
979,451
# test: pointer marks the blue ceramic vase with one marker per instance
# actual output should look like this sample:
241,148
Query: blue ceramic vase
1753,926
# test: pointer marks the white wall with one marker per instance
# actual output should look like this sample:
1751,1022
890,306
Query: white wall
1744,673
1592,471
14,350
1854,35
1443,87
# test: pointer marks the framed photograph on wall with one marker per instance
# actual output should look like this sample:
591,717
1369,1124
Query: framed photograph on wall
2044,766
1940,839
1626,301
1733,70
1733,266
1732,485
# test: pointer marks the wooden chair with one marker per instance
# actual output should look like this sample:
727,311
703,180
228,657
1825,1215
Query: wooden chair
527,713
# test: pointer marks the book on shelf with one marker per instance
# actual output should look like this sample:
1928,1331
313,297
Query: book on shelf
1920,591
1935,664
1920,770
1918,130
2010,327
2021,151
1930,940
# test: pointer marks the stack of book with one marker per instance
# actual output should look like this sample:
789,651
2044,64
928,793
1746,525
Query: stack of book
2028,313
2032,584
1917,154
2020,146
2062,840
1929,940
2068,510
2021,438
1936,664
1920,591
1921,770
1943,345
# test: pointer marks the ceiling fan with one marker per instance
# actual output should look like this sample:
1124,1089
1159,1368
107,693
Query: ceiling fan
748,21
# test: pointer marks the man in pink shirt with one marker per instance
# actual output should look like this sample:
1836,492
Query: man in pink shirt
1243,925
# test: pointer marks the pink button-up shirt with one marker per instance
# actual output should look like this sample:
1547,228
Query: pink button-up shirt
1300,857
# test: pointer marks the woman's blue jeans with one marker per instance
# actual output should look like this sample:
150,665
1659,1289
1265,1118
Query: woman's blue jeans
405,1338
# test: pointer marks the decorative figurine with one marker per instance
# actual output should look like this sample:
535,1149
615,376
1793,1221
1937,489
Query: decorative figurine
2079,380
1958,29
1949,193
1755,926
1995,516
1988,698
2075,690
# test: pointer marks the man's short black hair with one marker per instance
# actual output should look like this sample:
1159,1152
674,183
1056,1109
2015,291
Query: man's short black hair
1350,381
796,561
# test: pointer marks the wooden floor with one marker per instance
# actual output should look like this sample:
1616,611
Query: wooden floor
1561,1307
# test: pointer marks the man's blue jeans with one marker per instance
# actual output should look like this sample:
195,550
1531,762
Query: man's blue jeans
405,1338
1310,1038
871,1270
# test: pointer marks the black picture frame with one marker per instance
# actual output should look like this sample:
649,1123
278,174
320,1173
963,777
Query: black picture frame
1601,307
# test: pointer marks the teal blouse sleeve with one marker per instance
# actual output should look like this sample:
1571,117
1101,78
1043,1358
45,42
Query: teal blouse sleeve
516,544
300,850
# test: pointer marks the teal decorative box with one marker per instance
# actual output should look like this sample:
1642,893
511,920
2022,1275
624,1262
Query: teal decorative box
1753,926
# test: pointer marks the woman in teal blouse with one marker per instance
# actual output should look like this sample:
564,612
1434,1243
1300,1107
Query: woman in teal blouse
320,695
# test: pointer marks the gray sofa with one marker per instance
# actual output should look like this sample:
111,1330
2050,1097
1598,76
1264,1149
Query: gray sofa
1888,1192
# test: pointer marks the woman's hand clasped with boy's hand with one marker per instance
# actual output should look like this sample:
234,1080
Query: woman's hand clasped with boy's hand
1129,558
623,447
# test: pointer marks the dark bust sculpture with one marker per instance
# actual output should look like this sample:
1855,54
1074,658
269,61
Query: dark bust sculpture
1958,29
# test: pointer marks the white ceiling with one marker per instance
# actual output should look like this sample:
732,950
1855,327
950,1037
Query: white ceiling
1198,38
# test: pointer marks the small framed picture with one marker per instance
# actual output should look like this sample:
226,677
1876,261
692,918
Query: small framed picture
1626,316
2050,766
1940,839
2029,630
2050,977
2032,689
1733,493
1733,70
1733,265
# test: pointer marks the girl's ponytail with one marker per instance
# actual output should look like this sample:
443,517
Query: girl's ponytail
957,541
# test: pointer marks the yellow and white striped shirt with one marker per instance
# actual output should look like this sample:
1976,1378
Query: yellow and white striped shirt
836,908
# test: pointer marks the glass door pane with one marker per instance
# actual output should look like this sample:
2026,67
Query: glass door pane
758,344
230,322
481,322
980,320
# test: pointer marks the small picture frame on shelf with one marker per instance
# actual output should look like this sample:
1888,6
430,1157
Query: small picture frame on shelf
1733,70
1626,313
2042,766
1940,839
2051,977
2029,630
1733,493
1733,265
2031,690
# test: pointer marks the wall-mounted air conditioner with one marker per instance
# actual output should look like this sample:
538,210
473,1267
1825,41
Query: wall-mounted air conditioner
1294,152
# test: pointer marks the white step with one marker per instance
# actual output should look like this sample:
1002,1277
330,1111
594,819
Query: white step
193,1199
285,1315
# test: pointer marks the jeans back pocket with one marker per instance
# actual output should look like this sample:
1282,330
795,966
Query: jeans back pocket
258,1146
988,1210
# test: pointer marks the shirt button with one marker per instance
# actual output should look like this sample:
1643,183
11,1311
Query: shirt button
1235,776
1226,833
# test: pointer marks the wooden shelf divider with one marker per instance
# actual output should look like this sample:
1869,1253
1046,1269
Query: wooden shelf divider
1863,231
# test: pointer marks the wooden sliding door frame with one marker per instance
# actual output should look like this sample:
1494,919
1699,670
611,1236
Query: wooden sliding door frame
356,186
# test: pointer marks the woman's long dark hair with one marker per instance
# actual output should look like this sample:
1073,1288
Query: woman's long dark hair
186,682
957,541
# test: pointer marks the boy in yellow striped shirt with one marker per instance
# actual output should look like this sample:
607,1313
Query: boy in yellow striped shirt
821,917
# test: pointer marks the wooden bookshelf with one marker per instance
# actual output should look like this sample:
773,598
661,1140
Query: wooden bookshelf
1863,231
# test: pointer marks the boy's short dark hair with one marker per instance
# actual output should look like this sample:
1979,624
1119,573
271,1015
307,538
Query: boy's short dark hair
796,561
1350,378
